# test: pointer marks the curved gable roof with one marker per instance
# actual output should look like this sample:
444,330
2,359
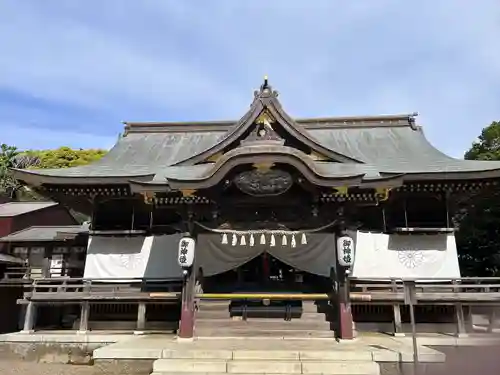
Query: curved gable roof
391,144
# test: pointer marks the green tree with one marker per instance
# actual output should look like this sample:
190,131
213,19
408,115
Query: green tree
65,157
478,238
10,157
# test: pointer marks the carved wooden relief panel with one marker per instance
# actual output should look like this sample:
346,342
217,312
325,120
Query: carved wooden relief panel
264,183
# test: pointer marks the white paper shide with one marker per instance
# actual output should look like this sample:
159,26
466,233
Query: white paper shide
186,252
345,251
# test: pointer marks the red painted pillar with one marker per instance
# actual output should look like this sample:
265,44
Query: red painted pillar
186,325
345,314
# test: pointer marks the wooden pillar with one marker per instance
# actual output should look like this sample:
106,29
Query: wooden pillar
396,308
141,319
84,317
345,325
29,318
459,313
398,326
460,317
186,326
492,319
85,309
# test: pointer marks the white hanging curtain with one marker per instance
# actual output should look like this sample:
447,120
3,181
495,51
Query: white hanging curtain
415,256
120,259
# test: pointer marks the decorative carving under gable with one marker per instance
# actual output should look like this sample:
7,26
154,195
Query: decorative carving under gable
264,183
263,129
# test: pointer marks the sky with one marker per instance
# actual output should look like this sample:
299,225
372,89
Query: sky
72,71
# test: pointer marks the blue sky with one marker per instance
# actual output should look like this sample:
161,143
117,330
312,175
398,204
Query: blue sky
71,71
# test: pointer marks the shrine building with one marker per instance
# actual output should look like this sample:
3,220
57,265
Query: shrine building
266,198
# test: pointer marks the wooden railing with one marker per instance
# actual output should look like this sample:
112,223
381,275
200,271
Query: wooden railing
85,292
104,290
20,274
467,290
460,293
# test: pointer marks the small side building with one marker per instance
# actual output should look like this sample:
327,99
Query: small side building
29,248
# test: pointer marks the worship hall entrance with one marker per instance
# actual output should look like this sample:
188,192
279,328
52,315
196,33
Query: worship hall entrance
279,289
266,276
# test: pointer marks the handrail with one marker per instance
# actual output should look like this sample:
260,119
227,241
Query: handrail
423,279
270,296
109,279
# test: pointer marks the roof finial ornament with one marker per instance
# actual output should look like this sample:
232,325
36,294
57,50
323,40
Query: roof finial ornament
265,89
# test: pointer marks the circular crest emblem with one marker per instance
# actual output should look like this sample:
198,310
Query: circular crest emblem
411,258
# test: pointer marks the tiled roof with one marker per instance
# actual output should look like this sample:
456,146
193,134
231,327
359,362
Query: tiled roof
42,233
19,208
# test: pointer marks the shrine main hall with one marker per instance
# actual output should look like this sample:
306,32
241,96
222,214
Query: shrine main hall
287,216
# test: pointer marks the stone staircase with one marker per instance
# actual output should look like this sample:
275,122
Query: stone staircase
213,320
242,362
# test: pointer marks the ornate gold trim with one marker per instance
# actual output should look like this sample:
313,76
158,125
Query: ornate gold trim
188,192
382,193
341,190
315,156
263,167
148,197
265,118
215,157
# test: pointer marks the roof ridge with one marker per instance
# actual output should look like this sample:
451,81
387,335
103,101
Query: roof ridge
307,123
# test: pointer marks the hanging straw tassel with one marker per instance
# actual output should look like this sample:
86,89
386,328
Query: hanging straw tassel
273,241
292,242
235,240
283,240
262,239
252,240
303,240
243,241
224,239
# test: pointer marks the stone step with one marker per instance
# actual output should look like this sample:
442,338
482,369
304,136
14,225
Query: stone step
174,366
355,355
262,333
341,368
263,324
270,366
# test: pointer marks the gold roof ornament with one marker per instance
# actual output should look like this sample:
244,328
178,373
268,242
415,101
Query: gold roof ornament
265,118
382,193
341,190
188,192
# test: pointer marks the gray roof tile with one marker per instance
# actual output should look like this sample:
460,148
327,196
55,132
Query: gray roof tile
385,148
40,233
19,208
